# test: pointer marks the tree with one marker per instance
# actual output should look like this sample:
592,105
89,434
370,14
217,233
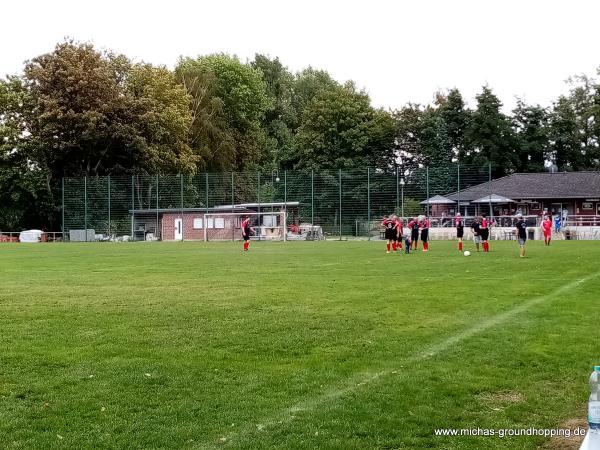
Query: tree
456,118
531,131
211,138
340,129
244,98
280,118
490,135
162,119
583,98
24,189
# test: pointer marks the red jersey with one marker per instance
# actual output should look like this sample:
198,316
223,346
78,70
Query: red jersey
484,224
414,225
547,225
425,224
399,225
389,224
246,226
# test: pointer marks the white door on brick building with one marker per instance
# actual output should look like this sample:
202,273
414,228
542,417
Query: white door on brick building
178,229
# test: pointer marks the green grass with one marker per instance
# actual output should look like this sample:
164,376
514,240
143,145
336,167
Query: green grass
292,345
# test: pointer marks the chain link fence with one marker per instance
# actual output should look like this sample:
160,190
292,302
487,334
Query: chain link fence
342,203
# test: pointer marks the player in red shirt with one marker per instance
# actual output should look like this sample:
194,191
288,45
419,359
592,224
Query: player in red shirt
413,226
484,232
460,230
391,234
425,233
547,229
246,232
399,231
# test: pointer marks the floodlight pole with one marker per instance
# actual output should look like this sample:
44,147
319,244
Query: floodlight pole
402,193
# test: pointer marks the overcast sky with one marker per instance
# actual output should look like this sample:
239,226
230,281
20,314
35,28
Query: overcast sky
399,51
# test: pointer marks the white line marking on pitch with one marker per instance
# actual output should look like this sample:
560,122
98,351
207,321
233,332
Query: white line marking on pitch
361,379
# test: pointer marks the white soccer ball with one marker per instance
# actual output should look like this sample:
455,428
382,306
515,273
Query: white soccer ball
467,253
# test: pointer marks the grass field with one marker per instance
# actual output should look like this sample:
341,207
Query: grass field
292,345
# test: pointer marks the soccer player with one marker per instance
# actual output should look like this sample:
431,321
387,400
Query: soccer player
399,232
547,229
391,233
521,232
460,230
484,232
476,232
413,226
246,232
425,233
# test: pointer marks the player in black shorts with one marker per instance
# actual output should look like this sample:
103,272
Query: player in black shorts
484,231
413,226
460,230
391,234
476,232
521,232
246,232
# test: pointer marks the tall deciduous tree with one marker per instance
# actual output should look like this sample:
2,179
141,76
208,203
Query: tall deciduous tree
243,94
95,114
340,129
490,135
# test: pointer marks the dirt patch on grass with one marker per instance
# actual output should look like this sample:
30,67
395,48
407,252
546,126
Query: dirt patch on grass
567,443
497,401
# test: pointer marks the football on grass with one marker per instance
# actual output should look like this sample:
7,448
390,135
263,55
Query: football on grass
467,253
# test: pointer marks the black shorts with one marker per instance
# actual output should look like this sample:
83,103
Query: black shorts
245,236
485,234
460,232
424,235
414,236
390,235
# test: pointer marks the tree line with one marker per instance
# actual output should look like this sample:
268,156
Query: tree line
79,111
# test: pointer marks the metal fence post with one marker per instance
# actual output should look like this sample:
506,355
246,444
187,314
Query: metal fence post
397,187
368,203
63,208
132,204
285,204
427,183
182,219
258,199
232,206
490,187
109,206
458,186
312,198
85,206
340,188
157,205
206,196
